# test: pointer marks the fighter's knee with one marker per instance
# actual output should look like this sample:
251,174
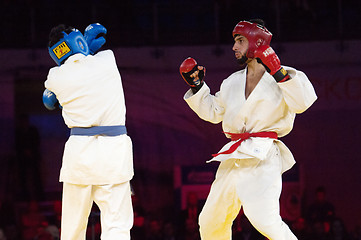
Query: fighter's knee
206,225
273,229
202,220
266,223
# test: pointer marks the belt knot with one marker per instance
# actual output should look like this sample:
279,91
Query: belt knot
240,137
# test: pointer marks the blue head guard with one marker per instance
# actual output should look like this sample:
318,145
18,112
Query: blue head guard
70,44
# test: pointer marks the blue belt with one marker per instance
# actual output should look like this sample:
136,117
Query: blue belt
99,130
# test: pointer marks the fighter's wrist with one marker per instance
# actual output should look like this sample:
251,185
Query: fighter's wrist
196,88
281,75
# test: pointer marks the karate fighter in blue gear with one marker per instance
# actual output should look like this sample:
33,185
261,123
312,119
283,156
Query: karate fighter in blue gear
98,160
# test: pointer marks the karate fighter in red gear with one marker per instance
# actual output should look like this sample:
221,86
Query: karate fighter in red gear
256,105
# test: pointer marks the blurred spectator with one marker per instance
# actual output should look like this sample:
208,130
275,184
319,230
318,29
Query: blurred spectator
318,231
54,231
57,213
44,234
300,229
356,233
7,218
28,159
31,221
54,220
169,232
94,227
188,220
243,229
321,210
338,230
2,234
191,231
138,230
154,230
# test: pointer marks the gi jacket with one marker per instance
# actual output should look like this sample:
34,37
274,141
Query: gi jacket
271,106
89,88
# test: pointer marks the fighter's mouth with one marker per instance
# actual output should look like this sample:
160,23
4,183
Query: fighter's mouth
237,54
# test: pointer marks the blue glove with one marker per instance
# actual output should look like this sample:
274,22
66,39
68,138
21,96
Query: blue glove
94,35
49,99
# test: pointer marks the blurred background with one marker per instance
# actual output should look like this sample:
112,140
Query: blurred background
171,144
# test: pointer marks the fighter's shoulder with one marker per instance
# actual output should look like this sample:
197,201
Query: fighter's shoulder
105,53
288,68
231,80
53,72
234,76
293,72
238,73
106,56
54,75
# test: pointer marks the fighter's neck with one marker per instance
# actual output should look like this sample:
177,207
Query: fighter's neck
255,72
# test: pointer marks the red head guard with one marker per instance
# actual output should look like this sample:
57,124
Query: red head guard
256,35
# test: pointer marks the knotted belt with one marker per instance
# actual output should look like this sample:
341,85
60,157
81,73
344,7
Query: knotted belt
99,130
240,137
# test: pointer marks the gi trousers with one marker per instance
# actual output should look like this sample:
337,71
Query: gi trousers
114,202
252,184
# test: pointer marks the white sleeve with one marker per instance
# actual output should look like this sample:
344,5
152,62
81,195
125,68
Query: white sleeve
208,107
49,83
298,92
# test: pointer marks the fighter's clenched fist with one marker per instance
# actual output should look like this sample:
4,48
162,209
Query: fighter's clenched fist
49,99
269,59
94,35
192,73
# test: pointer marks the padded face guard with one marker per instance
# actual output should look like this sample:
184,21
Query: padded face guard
257,35
70,44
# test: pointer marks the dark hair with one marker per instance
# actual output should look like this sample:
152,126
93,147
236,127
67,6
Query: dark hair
56,33
258,21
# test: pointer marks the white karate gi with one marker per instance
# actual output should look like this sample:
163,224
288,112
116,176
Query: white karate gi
95,168
251,175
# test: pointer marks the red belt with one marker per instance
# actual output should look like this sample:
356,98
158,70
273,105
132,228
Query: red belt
240,137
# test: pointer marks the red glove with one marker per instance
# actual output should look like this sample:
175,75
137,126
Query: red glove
187,68
269,59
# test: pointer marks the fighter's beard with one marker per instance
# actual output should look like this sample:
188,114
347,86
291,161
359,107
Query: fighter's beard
242,61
